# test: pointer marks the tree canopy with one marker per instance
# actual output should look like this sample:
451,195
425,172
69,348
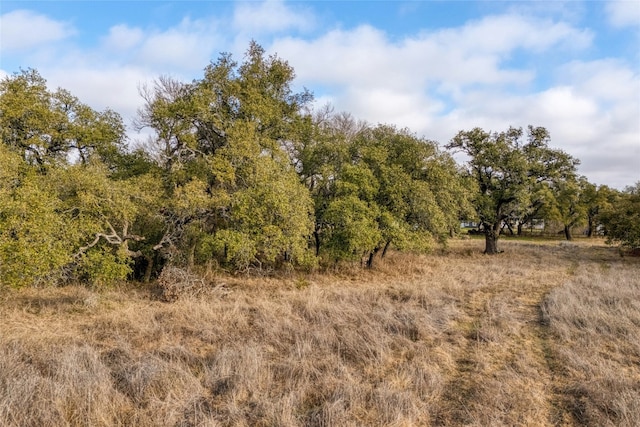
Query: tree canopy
510,173
621,218
242,174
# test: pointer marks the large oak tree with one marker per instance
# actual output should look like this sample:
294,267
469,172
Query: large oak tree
506,167
62,213
231,192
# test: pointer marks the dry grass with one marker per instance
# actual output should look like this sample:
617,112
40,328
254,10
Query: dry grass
595,328
449,339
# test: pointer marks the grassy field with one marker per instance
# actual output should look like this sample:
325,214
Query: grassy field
543,334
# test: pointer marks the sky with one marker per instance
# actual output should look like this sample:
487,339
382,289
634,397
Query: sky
435,67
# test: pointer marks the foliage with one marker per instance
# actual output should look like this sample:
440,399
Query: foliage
230,191
60,218
33,240
621,219
240,174
568,205
46,127
509,172
597,199
374,186
101,213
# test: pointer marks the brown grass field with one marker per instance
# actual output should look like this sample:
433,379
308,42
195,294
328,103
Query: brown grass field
545,334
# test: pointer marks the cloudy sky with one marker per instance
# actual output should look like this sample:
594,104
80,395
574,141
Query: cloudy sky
434,67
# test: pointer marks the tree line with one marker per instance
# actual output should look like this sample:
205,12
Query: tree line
242,174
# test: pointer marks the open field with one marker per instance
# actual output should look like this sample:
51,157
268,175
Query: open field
543,334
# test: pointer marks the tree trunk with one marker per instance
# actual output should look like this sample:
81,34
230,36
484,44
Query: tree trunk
567,232
316,236
590,227
372,256
386,247
148,269
519,228
491,239
509,227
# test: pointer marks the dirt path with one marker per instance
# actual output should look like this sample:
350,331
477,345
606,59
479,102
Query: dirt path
504,372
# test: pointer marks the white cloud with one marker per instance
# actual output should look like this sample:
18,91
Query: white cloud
270,16
383,105
501,34
365,58
469,55
565,10
175,48
593,113
614,152
24,29
410,81
563,103
122,38
436,83
114,87
187,46
624,13
608,79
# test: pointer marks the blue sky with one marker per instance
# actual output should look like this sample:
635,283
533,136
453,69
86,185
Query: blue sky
434,67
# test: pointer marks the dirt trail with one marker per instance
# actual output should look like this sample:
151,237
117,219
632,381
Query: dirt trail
504,372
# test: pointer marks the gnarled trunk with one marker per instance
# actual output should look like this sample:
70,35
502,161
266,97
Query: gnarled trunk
372,256
491,235
567,232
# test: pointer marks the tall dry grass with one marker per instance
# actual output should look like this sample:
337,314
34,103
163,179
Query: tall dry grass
594,321
447,339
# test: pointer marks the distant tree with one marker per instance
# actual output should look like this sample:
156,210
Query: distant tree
539,207
569,203
596,199
621,218
377,186
506,169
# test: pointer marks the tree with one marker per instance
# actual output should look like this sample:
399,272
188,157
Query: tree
596,200
539,207
101,215
46,128
231,193
621,219
70,193
374,186
33,240
30,125
569,204
421,194
505,169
